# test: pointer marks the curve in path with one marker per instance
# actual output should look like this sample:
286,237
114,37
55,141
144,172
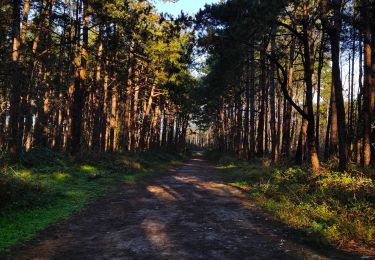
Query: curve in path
185,214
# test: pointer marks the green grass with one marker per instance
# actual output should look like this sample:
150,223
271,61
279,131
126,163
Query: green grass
47,187
333,208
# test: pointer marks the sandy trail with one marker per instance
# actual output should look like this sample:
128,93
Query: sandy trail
185,214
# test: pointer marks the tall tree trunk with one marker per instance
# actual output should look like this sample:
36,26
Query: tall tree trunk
279,122
80,84
320,68
273,126
360,125
308,69
134,120
263,112
351,97
333,140
334,31
252,101
266,114
15,138
327,139
368,84
146,121
164,123
98,93
238,125
285,149
247,112
301,148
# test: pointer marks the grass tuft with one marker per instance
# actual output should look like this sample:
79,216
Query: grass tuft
46,187
334,208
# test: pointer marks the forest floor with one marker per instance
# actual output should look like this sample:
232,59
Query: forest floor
47,187
185,213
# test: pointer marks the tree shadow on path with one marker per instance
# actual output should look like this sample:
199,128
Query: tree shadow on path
185,214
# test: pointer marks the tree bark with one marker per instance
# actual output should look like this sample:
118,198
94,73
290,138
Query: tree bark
308,69
252,102
260,150
368,84
334,31
15,138
287,106
272,85
320,68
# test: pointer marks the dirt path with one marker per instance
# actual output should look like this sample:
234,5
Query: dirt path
185,214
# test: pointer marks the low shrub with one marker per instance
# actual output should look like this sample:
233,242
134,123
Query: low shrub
334,207
17,192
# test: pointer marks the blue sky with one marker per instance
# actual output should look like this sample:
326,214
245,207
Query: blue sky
188,6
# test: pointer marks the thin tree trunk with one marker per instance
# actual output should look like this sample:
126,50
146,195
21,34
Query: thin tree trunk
15,140
260,150
308,68
368,84
80,85
320,68
360,125
247,112
351,98
287,106
273,126
98,93
334,32
301,148
252,102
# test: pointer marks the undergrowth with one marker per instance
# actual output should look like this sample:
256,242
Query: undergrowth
44,186
333,207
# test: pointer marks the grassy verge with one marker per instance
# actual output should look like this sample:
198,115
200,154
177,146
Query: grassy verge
47,187
333,208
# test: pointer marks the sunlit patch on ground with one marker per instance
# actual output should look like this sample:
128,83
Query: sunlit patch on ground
60,176
32,198
333,208
156,233
185,214
89,169
161,193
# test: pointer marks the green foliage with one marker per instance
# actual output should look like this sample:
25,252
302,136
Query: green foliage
47,187
163,45
35,156
225,31
16,191
336,208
